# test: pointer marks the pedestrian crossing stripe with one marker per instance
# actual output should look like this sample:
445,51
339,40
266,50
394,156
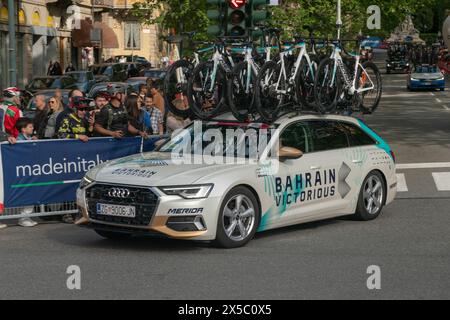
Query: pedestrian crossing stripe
401,183
441,181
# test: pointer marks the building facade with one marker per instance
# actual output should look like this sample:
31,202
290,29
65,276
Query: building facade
81,32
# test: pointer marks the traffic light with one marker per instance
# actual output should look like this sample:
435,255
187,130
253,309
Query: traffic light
258,14
237,18
216,13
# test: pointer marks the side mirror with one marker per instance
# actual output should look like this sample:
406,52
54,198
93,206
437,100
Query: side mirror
288,153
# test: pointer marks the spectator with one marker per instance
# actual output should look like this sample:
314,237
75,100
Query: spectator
41,116
26,129
175,122
59,95
56,108
68,109
12,113
3,135
158,99
70,68
56,69
156,118
75,125
50,68
112,120
143,91
137,117
101,100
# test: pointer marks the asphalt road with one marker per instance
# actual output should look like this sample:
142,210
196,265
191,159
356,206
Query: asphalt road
410,242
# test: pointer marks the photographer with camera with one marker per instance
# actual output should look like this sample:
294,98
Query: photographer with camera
80,123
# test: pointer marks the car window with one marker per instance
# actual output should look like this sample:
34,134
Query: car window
295,136
56,84
357,136
327,135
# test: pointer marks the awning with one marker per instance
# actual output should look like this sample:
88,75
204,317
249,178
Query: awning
82,37
44,31
109,38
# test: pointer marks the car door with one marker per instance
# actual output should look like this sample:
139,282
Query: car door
323,171
359,156
307,186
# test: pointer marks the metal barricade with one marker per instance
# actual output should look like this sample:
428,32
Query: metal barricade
43,210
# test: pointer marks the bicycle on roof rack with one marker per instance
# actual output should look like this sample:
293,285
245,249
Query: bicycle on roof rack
178,75
242,79
287,81
337,85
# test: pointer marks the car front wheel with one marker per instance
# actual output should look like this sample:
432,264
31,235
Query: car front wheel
239,218
371,198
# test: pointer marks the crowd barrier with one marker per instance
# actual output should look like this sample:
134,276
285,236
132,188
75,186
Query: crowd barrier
40,178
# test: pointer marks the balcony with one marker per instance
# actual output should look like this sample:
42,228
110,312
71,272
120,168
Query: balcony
103,4
124,4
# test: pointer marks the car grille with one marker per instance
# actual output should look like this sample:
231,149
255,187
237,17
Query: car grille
143,199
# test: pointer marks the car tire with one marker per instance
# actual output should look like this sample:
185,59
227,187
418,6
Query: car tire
373,191
237,226
112,235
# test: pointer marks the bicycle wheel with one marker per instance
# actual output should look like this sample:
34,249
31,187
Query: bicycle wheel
366,76
175,88
304,83
206,91
240,93
269,98
326,86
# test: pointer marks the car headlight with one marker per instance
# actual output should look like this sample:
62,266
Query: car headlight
414,79
85,182
441,79
188,192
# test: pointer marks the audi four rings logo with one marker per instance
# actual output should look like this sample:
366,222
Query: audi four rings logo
119,193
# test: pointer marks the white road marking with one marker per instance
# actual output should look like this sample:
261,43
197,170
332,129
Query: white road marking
438,100
401,183
442,180
431,165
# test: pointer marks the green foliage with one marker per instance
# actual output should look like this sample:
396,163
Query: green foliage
292,15
189,15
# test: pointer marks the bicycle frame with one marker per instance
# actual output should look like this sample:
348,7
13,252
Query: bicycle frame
252,66
218,59
350,85
303,53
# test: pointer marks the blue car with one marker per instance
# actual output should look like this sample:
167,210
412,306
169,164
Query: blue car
426,77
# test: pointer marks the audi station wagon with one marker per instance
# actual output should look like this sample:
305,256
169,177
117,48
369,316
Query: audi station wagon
306,168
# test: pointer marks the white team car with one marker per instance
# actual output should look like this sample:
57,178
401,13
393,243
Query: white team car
312,168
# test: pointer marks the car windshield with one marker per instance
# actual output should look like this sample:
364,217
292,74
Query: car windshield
41,83
78,77
221,139
100,70
155,74
426,69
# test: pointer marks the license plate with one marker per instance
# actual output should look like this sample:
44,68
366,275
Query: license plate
116,211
